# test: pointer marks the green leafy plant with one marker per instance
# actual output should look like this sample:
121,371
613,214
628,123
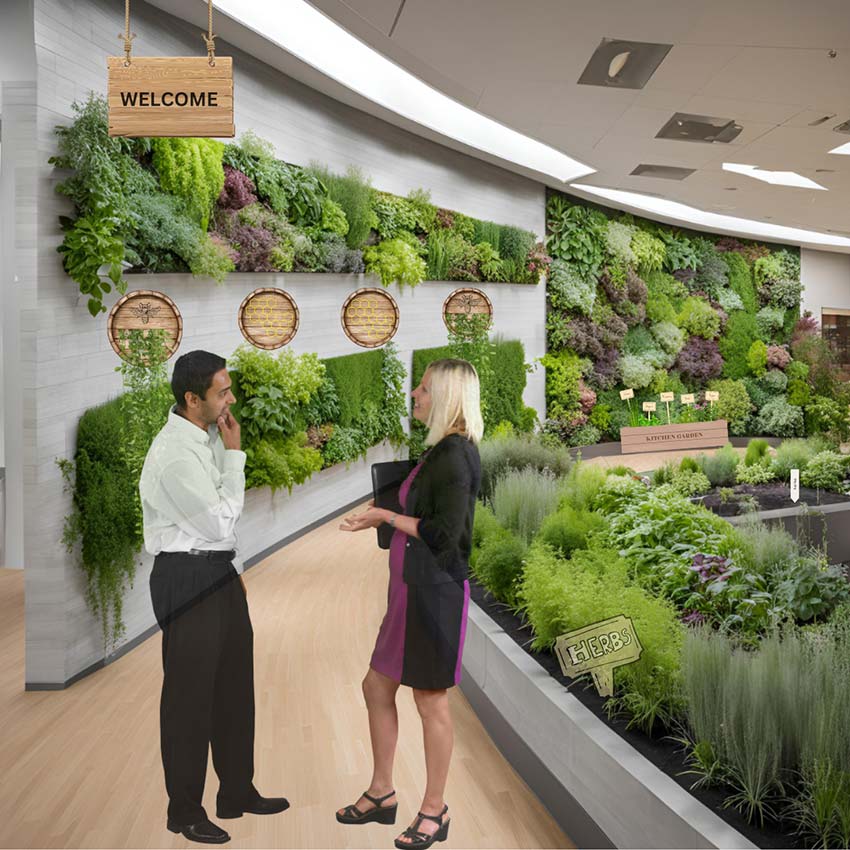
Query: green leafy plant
733,404
679,251
568,529
770,321
90,243
780,419
650,252
825,471
353,193
698,318
192,170
735,343
488,261
577,234
568,290
757,358
395,261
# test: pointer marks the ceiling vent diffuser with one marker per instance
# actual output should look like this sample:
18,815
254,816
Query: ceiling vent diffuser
699,128
623,64
843,128
666,172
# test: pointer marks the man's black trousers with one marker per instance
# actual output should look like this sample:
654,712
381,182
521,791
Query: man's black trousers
208,680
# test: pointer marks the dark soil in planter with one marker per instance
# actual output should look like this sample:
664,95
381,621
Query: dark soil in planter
663,753
772,496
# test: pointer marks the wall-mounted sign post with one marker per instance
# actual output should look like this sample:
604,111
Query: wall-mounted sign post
182,96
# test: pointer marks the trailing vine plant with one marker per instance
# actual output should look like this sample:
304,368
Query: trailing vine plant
105,523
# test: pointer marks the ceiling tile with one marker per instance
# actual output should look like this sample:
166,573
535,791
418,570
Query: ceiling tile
689,68
822,24
784,75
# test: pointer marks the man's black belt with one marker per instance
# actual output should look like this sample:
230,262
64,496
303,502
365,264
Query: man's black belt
211,554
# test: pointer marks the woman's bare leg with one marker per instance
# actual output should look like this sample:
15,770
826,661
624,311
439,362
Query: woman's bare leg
438,736
379,691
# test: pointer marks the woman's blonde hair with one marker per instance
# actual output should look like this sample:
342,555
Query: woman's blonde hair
455,401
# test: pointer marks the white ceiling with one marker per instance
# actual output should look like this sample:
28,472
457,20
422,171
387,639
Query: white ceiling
763,63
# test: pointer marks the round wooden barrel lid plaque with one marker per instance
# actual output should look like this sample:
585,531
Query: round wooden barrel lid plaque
370,317
268,318
144,310
466,302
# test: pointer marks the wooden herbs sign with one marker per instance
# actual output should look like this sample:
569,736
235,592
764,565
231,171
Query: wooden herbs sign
171,96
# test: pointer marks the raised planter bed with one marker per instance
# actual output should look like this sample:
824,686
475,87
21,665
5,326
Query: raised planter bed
605,786
661,438
768,497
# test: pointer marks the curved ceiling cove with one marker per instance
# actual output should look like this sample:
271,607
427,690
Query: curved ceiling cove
315,39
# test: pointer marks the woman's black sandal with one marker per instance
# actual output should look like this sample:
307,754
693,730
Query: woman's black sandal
421,840
380,814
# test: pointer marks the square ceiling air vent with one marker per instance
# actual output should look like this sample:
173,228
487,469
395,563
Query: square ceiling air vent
667,172
699,128
623,64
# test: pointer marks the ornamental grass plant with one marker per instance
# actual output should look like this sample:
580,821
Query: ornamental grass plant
523,498
519,451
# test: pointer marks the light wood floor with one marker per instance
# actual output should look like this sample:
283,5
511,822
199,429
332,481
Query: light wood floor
81,767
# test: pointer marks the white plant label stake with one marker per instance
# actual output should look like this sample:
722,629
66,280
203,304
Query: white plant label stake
627,396
667,398
795,485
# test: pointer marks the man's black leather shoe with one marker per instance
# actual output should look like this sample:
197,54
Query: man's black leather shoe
257,806
204,832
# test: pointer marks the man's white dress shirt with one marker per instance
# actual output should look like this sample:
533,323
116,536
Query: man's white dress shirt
192,489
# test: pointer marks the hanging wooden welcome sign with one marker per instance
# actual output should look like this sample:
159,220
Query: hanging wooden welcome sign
172,96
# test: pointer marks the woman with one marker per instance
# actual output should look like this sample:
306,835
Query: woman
420,643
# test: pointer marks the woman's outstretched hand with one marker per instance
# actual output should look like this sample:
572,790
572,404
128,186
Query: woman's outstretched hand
372,517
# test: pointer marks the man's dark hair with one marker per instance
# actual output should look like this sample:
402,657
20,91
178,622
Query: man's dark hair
193,373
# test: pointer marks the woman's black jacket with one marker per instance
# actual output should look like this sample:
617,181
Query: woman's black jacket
443,495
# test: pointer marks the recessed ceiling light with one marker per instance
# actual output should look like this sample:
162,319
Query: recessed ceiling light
684,127
303,31
667,172
713,221
776,178
623,64
618,63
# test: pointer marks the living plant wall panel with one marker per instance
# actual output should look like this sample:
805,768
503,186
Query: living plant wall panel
73,368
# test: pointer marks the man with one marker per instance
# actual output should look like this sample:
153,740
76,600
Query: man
192,489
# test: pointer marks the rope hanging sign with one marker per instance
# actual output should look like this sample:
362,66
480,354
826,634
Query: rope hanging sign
170,96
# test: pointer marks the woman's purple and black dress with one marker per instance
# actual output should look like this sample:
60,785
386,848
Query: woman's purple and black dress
420,642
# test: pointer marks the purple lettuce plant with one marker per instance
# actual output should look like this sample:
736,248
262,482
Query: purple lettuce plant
700,360
238,191
711,567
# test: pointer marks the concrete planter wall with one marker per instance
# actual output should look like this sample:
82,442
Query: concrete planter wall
598,787
819,524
